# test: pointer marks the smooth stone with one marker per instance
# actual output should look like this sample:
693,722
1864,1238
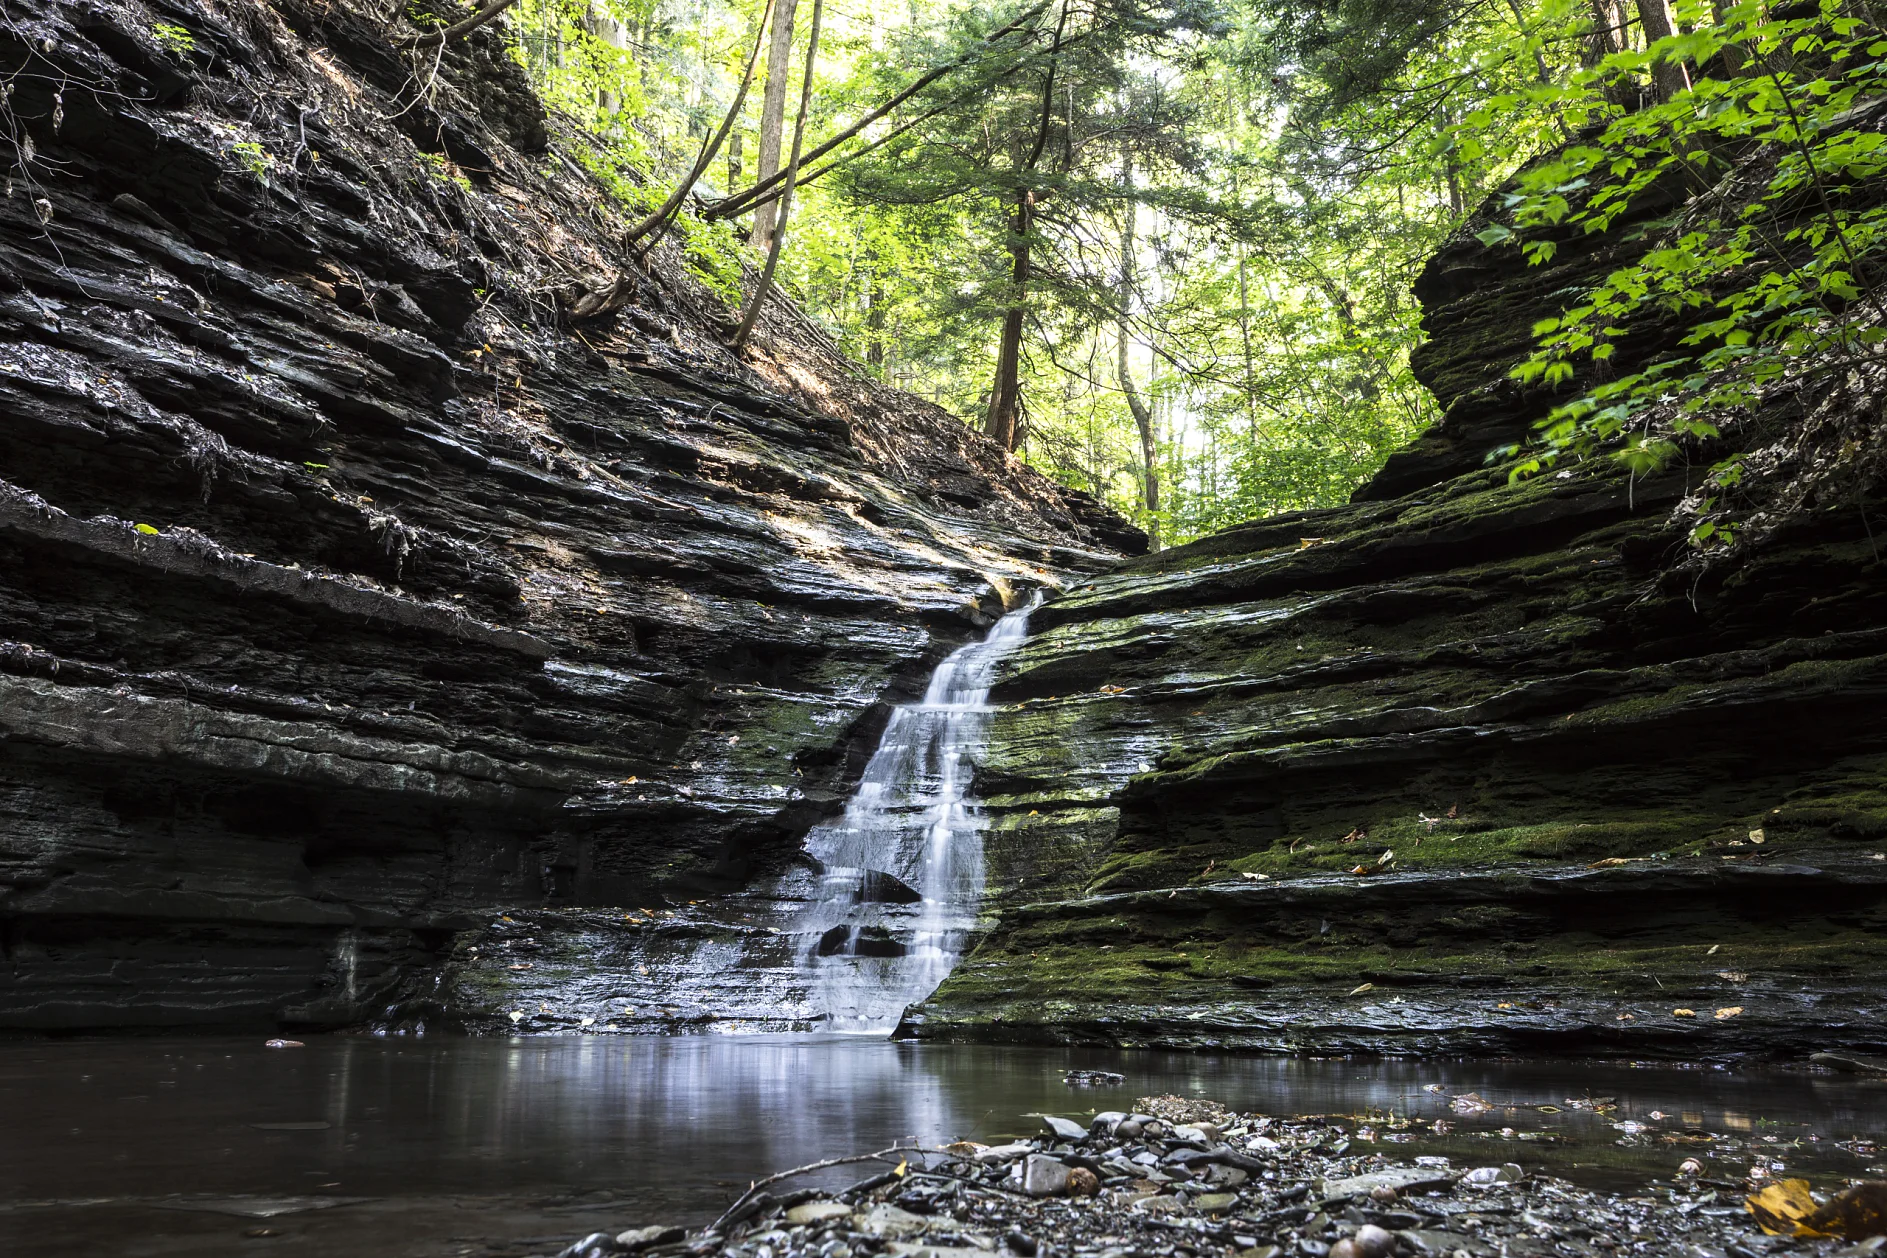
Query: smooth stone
1104,1123
637,1238
817,1212
890,1221
1043,1176
1507,1173
1002,1153
1065,1129
1215,1202
1436,1244
1374,1242
1400,1178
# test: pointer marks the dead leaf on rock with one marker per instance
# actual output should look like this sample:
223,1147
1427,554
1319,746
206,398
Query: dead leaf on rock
1360,988
1854,1213
1780,1208
1683,1013
1785,1208
1729,1011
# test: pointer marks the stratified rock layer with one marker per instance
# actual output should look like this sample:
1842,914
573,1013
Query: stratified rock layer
1466,766
348,593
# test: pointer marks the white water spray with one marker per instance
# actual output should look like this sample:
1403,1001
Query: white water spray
904,871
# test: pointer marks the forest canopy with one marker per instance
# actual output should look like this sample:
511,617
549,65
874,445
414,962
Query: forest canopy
1163,249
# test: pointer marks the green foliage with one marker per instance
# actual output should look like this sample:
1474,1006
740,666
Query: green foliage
1294,163
255,159
1766,257
177,39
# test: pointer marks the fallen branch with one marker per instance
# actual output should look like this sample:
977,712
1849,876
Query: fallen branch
740,202
759,1185
457,29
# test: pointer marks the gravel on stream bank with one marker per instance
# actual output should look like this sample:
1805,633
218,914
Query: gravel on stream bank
1183,1178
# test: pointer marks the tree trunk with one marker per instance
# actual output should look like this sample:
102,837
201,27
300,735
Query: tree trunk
1667,76
1123,370
1005,396
734,146
1004,422
773,112
778,235
872,293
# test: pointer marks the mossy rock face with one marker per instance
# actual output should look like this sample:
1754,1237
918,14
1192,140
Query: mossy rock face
1416,713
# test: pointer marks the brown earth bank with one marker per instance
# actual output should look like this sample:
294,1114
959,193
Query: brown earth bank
351,591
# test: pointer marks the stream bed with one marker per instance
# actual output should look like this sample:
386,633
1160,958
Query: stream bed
450,1146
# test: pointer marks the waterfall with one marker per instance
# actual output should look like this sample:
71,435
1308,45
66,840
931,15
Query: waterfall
903,868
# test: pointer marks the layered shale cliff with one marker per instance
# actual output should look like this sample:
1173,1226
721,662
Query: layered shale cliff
1465,766
351,590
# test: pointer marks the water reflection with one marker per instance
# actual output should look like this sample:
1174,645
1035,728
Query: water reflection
672,1125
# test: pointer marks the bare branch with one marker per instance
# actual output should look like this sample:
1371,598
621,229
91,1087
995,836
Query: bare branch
458,29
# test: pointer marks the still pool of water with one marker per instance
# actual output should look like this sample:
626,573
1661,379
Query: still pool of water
356,1145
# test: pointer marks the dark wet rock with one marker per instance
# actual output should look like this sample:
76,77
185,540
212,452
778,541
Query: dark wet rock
1065,1129
1042,1176
349,598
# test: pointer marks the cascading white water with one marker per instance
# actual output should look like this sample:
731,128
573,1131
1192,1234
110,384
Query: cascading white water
903,874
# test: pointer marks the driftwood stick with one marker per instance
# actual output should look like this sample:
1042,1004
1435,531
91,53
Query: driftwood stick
435,39
760,1184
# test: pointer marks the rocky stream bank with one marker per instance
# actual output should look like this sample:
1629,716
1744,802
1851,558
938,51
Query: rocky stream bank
1185,1178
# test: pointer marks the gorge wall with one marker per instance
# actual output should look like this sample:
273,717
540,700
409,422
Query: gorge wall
1636,803
351,590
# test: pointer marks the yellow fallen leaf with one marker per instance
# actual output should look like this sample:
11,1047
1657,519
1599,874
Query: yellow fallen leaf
903,1166
1360,988
1780,1208
1305,543
1713,950
1683,1013
1756,836
1729,1011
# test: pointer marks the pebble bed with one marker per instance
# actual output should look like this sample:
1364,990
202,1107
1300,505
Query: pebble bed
1188,1178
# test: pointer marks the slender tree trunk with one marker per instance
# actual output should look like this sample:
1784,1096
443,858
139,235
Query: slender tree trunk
778,235
1004,422
1123,369
734,155
709,147
773,111
874,298
1667,76
1005,396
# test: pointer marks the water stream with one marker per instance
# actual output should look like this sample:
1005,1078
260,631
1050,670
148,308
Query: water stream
903,867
